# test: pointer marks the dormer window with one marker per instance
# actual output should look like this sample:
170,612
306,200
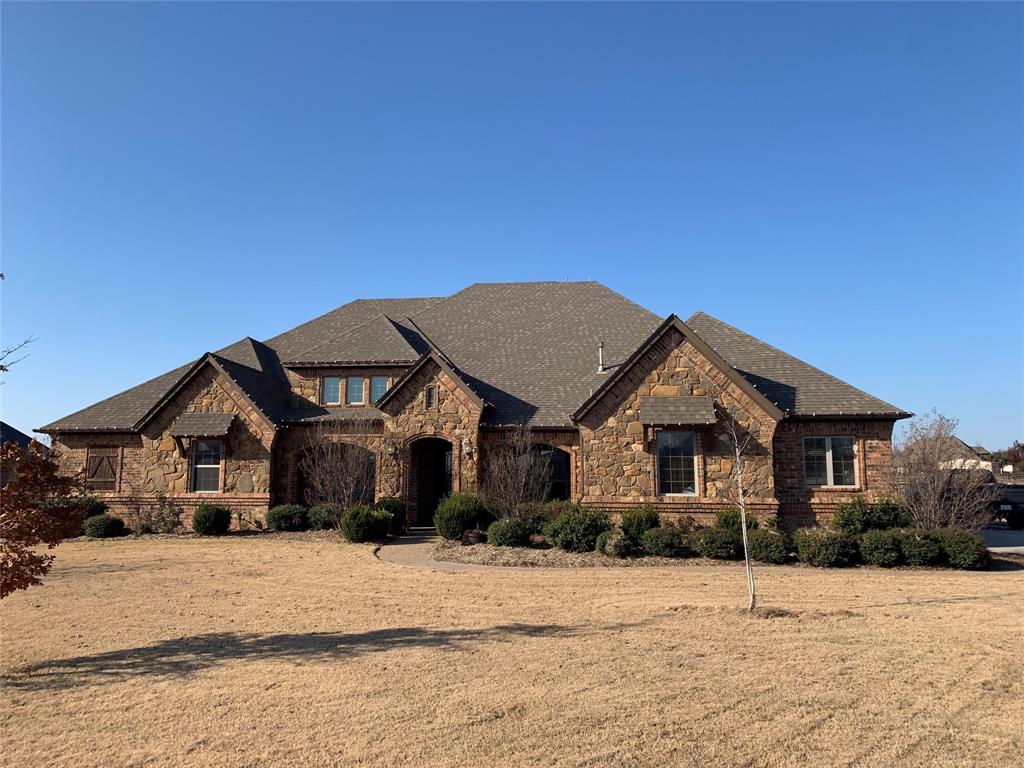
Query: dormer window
430,397
354,390
331,391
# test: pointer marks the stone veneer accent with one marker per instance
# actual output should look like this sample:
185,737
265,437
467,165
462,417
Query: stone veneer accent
619,464
152,462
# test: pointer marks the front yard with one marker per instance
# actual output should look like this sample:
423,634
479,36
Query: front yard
299,649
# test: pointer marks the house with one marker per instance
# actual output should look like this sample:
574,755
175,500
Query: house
963,456
631,408
9,434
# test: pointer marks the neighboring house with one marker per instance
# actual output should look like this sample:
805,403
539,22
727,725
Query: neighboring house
9,434
630,408
964,456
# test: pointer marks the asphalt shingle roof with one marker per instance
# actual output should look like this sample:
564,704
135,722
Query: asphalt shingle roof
528,350
201,425
796,387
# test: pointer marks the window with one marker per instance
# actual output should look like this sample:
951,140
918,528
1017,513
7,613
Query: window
676,473
430,396
101,469
378,386
206,456
331,391
558,460
354,390
829,461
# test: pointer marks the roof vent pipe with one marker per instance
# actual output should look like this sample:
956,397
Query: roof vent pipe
600,357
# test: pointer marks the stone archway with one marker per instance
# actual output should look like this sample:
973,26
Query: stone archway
429,478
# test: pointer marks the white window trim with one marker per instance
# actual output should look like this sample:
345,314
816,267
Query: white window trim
323,397
387,386
657,468
362,391
829,475
219,465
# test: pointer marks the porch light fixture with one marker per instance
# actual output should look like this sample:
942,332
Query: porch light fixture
390,448
467,448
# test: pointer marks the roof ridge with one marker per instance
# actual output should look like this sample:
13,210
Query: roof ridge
349,332
794,358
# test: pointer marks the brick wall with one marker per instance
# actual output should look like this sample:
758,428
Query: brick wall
800,505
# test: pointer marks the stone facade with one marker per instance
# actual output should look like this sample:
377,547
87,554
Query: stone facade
619,461
611,455
154,463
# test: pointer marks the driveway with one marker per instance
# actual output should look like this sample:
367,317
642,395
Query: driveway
1001,539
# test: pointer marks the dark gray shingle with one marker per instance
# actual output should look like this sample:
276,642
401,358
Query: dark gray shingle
677,410
201,425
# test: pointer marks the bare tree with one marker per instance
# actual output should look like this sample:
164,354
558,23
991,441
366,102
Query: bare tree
739,441
937,487
337,470
6,353
515,473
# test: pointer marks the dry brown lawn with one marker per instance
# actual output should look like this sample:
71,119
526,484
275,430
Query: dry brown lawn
301,650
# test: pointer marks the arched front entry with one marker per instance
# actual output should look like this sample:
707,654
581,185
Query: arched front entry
429,478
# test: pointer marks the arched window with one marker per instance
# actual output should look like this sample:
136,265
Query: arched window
558,460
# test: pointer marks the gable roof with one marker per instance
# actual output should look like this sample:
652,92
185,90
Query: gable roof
526,351
796,387
669,323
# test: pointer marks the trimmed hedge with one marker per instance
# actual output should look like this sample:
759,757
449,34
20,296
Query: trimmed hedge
104,527
211,520
729,519
856,516
288,517
361,522
881,548
767,547
826,549
961,549
665,541
601,544
577,529
510,532
458,513
396,508
324,517
718,543
918,548
91,506
636,522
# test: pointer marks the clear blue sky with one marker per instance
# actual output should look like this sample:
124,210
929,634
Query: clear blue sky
842,180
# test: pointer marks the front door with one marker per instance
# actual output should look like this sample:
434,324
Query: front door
430,477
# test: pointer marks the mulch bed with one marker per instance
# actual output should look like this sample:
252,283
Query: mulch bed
485,554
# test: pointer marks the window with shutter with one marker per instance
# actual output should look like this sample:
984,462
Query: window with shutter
101,469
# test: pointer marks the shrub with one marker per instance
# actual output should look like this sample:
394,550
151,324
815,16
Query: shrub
856,516
555,507
396,508
961,549
665,541
361,522
620,545
918,548
162,517
211,520
636,522
288,517
881,548
324,517
577,529
729,519
510,532
771,523
91,506
104,527
767,547
827,549
458,513
718,543
602,542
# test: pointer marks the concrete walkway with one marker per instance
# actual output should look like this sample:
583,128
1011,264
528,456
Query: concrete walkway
413,550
